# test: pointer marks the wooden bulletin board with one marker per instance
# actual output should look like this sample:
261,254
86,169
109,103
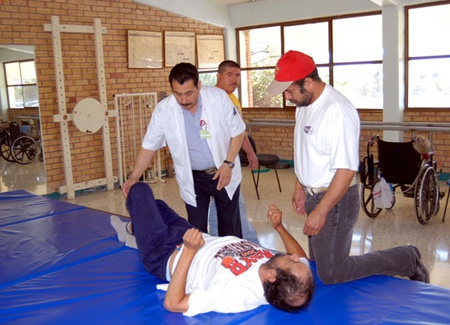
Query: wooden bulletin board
145,49
211,51
179,47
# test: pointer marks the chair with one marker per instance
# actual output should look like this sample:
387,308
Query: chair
265,160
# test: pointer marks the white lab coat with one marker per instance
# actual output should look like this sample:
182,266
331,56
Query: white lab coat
223,122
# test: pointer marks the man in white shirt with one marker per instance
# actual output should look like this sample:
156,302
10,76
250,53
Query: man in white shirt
326,159
204,134
207,273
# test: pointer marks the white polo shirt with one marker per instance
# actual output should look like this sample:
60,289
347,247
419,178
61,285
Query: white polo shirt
326,138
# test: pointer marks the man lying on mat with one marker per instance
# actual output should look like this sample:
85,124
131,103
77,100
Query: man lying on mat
208,273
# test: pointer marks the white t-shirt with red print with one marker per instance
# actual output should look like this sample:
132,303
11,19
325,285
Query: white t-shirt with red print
223,276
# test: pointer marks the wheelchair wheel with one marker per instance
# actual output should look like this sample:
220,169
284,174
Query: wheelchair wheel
367,201
6,149
426,194
24,149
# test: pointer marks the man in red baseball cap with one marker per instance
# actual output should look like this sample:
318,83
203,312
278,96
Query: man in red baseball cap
291,67
326,159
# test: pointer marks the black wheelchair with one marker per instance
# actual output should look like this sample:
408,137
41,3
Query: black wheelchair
403,167
15,145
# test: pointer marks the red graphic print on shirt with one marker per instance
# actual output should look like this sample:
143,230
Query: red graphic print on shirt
239,257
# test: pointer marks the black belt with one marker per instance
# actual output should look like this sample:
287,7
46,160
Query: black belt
209,171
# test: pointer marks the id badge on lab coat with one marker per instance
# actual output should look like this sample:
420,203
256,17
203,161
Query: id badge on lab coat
205,134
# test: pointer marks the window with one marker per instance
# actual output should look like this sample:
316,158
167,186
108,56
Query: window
347,57
428,56
259,50
304,38
358,55
21,84
208,78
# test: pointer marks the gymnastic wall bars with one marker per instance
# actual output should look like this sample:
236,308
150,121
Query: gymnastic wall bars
134,112
89,115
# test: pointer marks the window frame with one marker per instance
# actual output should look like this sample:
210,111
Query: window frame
409,58
22,84
330,64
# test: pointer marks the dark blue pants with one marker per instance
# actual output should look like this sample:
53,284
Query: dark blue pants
157,228
228,216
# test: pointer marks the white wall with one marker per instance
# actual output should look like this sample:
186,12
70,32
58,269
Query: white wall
204,10
267,11
275,11
208,11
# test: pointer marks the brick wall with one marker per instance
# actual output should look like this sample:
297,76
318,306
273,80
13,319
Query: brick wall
275,139
12,113
22,22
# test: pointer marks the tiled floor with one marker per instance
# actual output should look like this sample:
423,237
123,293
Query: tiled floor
30,177
398,226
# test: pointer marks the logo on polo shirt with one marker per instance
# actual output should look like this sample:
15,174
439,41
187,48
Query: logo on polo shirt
309,129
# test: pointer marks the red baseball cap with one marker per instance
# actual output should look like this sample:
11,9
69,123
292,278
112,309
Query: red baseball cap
292,66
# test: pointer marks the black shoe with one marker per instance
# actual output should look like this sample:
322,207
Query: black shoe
421,274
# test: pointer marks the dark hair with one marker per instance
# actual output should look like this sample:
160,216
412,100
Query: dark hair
183,72
314,75
287,288
227,64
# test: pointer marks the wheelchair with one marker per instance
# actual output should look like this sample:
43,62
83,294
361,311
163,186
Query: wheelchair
15,145
403,167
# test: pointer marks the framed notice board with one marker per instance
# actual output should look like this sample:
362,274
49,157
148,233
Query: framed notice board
145,49
179,47
211,51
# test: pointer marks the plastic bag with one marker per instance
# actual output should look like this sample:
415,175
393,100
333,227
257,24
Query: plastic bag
422,145
383,195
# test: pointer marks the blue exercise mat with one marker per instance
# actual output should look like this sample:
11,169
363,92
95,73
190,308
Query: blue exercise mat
20,206
67,267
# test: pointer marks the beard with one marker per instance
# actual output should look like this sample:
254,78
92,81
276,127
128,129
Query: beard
306,101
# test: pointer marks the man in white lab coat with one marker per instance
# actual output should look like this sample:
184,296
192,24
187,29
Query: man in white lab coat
204,134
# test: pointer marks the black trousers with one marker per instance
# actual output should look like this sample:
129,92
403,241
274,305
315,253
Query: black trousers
228,217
